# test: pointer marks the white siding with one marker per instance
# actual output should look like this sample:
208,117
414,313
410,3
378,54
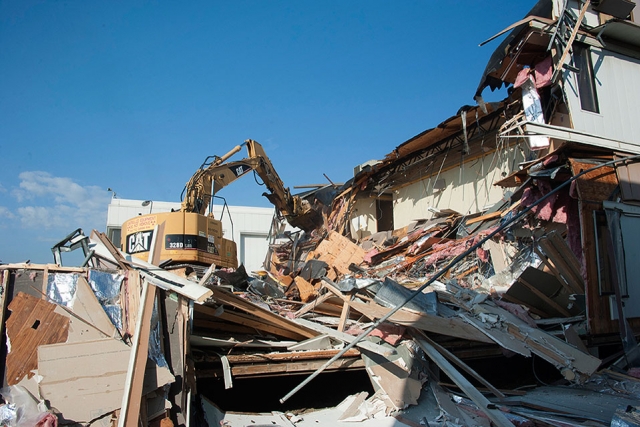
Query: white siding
618,91
468,190
253,248
363,219
244,220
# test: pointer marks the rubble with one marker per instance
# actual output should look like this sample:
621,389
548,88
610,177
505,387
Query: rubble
539,273
333,306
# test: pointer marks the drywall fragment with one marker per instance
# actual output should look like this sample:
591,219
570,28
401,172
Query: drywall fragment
400,386
83,380
321,342
353,412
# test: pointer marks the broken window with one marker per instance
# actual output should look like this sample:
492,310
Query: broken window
586,80
114,234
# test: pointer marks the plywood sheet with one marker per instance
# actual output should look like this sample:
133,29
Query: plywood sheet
597,185
32,323
338,252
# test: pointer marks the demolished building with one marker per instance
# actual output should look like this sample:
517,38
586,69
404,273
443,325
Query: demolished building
506,232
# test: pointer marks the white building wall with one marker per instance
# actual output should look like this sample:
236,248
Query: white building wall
468,190
363,218
247,226
617,87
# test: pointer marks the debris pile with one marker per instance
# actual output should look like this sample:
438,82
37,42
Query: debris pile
113,342
434,312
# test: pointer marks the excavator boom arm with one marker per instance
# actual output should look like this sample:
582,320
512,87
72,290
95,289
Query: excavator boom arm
206,182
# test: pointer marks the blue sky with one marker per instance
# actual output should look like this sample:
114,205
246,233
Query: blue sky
133,95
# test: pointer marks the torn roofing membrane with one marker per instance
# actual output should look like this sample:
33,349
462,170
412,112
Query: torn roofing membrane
541,9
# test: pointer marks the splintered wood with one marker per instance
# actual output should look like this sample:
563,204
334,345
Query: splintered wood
338,252
306,289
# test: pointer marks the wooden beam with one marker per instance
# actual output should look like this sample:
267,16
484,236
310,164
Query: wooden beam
289,356
115,253
285,368
52,267
337,292
132,397
343,317
226,297
486,217
563,262
313,305
222,326
569,258
4,283
295,367
501,337
552,268
254,322
573,364
130,294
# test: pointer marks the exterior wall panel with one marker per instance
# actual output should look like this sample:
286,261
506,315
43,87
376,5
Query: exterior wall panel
469,189
617,84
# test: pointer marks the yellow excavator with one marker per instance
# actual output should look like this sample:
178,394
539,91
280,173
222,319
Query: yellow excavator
190,236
